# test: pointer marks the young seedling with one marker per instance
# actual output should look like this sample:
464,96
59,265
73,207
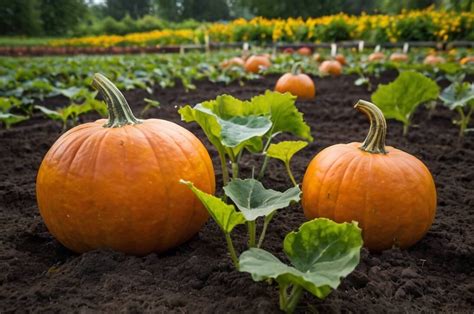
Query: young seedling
460,97
71,112
321,252
8,119
252,200
284,151
399,99
150,103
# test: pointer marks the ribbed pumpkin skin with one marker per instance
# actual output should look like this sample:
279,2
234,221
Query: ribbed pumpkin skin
392,196
119,188
300,85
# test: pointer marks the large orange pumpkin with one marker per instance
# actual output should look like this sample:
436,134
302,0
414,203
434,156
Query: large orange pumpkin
297,83
389,192
256,63
115,184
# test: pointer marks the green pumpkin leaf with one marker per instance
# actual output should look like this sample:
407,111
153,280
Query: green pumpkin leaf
234,133
226,216
237,130
457,95
207,122
282,111
254,201
285,150
321,252
399,99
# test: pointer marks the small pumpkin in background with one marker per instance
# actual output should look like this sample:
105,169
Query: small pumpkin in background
235,61
466,60
389,192
289,50
398,57
434,60
297,83
341,59
330,67
257,62
115,183
304,51
376,56
317,57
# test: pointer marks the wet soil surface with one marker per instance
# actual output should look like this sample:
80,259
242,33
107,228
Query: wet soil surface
436,275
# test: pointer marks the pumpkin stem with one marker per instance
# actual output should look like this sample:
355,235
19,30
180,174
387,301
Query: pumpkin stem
120,113
375,141
296,68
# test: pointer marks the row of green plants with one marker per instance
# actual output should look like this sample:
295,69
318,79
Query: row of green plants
26,86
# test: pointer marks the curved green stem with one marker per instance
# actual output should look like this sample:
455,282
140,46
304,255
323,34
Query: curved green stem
120,113
375,141
296,68
230,247
225,171
290,174
252,230
294,299
264,230
235,170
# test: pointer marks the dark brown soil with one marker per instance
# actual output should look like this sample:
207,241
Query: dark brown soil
436,275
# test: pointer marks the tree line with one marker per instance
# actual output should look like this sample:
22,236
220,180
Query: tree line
73,17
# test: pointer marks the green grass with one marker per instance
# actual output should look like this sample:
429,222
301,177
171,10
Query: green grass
25,41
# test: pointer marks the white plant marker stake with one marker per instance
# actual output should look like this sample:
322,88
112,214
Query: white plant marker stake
406,46
361,45
377,48
333,49
181,50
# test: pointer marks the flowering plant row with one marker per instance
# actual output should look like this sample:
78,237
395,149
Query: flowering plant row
426,25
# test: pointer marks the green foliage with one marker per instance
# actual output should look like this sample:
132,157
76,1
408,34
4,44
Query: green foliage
321,252
233,125
399,99
8,119
225,216
252,200
459,96
284,151
59,19
20,17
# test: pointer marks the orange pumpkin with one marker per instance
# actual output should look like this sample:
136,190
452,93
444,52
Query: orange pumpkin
304,51
331,67
341,59
389,192
317,57
298,84
376,56
467,60
255,63
115,184
434,60
398,57
235,61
